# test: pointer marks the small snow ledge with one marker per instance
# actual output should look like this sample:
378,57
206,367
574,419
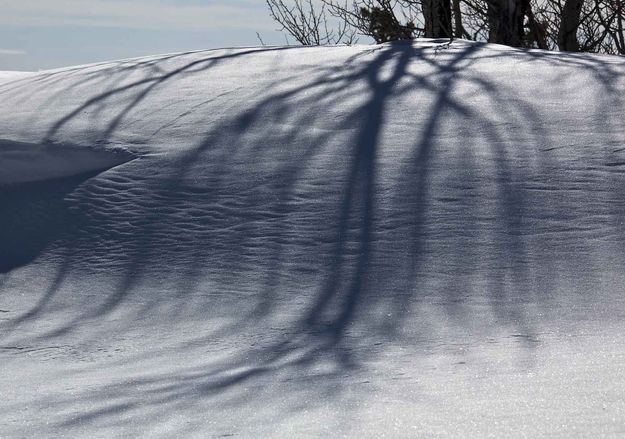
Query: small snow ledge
27,162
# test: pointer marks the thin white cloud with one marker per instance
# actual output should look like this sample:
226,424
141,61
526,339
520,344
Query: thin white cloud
12,52
139,14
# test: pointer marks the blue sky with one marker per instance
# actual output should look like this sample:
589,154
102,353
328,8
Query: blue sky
42,34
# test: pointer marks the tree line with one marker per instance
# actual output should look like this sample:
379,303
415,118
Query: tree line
566,25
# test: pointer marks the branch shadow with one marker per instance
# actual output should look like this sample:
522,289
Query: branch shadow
333,239
33,216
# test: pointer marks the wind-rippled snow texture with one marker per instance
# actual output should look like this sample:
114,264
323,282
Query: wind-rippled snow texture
402,239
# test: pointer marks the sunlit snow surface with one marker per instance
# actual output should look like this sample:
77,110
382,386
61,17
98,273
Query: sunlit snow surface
400,240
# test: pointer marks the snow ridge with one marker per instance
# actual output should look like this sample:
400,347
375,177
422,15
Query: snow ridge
402,239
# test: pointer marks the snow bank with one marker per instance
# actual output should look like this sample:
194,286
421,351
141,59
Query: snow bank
25,162
407,240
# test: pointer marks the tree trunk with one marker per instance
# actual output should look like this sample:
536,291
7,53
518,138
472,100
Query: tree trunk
505,19
437,17
458,30
569,23
620,35
537,32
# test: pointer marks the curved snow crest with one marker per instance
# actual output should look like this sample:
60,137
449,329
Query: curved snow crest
27,163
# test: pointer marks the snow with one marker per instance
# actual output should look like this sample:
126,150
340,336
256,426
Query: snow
13,75
397,240
26,163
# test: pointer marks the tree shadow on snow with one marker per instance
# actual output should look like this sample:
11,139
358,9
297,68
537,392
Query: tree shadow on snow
328,243
35,215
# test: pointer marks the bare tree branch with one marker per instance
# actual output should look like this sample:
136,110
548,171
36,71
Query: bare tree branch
309,25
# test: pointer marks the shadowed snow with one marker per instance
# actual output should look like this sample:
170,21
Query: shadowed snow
27,163
404,239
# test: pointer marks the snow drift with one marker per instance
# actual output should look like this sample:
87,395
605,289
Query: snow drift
404,239
26,163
